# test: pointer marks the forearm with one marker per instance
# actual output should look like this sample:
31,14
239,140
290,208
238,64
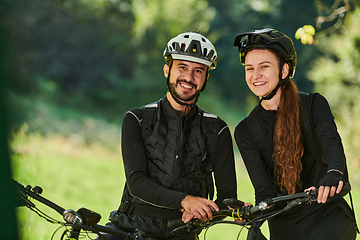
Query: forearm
147,190
258,170
224,168
327,134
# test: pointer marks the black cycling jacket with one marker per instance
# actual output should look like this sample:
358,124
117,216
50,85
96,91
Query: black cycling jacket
149,190
261,171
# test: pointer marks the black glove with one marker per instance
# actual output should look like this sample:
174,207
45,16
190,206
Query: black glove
331,179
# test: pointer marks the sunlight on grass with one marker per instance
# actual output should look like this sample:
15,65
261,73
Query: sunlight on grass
71,174
74,175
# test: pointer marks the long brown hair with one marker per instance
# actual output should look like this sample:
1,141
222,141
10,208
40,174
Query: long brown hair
288,147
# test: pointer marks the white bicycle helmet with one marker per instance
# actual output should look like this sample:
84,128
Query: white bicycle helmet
193,47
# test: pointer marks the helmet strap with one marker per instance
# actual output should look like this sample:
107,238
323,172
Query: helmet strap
206,78
185,104
281,82
272,94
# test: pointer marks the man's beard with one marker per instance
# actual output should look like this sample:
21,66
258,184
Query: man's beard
172,89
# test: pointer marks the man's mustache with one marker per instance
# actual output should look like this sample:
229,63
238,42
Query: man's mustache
184,81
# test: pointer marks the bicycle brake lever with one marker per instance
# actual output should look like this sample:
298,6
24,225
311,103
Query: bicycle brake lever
194,222
233,203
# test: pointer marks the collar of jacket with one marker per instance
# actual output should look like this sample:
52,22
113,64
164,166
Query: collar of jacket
171,113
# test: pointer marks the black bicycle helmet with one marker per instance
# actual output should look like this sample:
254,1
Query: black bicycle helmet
193,47
268,38
271,39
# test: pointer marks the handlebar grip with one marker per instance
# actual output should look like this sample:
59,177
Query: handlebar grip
221,214
233,203
172,224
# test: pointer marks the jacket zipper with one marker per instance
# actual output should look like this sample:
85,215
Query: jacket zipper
178,149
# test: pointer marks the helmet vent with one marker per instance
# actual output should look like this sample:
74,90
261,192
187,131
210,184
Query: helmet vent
194,48
255,38
183,47
186,36
203,39
275,34
205,52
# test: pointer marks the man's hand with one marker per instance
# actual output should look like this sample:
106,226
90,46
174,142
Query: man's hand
186,216
197,207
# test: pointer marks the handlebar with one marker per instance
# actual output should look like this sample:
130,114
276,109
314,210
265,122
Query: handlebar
34,193
250,214
83,219
178,224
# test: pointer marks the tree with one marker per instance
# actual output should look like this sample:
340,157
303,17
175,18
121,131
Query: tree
336,75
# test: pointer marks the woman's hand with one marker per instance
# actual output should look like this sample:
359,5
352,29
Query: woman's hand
239,219
330,184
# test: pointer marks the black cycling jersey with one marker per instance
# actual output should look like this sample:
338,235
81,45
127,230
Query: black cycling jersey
261,171
152,202
136,167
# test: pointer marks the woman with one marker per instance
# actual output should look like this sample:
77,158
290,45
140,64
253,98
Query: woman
289,142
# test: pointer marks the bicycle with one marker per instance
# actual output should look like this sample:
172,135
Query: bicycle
85,220
76,223
250,215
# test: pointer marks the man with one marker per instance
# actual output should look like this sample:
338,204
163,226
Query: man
172,148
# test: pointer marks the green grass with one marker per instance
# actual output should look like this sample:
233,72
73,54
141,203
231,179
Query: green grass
74,174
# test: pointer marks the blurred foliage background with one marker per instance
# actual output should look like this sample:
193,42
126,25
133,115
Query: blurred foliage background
74,67
101,58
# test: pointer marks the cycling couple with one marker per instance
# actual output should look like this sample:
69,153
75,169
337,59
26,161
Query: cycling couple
175,154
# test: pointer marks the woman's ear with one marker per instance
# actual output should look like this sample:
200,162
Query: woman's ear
285,71
166,70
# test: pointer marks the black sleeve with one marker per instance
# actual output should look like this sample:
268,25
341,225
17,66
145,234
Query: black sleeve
326,133
136,167
224,166
259,172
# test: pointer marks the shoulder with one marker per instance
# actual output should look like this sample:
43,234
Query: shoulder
313,97
216,119
207,115
138,113
315,101
153,105
241,129
243,124
132,120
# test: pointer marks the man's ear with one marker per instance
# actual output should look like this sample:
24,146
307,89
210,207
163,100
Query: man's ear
166,70
206,77
205,81
285,71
